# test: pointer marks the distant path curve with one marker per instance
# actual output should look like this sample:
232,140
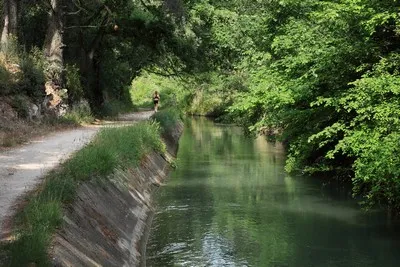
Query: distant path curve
22,168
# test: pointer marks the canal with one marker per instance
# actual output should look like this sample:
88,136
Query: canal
230,203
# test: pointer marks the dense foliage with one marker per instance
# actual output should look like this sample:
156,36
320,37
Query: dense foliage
321,76
90,49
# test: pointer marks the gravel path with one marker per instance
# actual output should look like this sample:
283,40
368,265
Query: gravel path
22,169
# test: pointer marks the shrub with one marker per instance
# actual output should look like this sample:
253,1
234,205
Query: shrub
73,83
114,107
6,85
20,104
32,77
79,113
11,51
167,119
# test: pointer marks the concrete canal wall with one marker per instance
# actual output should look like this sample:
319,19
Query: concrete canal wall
106,224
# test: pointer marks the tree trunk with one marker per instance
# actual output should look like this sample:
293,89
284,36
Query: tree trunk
91,67
53,51
13,11
6,20
10,22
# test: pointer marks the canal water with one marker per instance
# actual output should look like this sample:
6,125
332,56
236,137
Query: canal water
230,203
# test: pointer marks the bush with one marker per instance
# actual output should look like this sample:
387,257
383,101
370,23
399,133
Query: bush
73,83
6,85
11,51
167,119
32,78
20,104
22,73
114,107
79,113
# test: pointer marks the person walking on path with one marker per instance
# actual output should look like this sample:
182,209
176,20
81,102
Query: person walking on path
156,100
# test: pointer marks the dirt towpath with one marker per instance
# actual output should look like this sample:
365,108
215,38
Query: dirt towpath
22,168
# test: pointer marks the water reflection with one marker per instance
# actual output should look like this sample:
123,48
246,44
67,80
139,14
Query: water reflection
229,203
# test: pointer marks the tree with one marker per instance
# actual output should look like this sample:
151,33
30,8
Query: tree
54,54
10,22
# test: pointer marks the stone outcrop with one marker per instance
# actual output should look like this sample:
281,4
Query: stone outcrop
106,224
54,100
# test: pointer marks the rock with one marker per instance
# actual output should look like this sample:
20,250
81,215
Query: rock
34,112
52,96
62,109
53,102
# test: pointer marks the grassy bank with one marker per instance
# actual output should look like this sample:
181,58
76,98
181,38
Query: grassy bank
113,148
167,119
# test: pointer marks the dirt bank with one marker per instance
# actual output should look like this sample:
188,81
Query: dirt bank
106,224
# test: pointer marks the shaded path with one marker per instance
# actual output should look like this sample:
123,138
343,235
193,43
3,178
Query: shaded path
22,168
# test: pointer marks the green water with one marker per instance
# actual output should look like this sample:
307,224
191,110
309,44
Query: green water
230,203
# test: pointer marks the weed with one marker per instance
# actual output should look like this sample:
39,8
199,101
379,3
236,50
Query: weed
41,217
79,113
167,119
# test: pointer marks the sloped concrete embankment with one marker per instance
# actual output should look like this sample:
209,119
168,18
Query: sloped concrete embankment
106,224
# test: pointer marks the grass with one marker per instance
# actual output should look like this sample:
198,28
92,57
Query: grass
167,119
112,148
79,114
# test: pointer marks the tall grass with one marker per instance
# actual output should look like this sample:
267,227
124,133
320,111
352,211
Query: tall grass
79,113
112,148
167,119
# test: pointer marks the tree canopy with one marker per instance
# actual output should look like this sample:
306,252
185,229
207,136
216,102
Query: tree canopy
323,77
106,43
320,76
